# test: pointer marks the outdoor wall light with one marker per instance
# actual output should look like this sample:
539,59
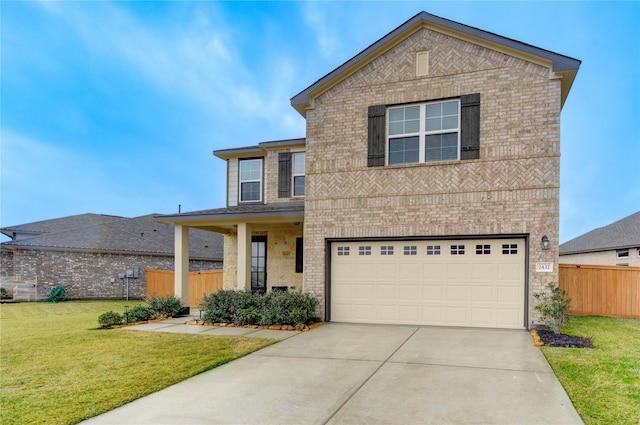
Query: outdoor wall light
545,243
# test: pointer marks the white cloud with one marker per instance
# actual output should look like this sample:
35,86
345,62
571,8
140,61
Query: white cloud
319,24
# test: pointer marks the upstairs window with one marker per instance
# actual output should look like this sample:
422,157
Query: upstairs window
298,170
428,132
251,180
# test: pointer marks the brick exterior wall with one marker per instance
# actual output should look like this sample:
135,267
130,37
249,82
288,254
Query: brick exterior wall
88,275
512,189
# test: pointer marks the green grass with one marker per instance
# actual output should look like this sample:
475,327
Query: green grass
604,382
56,367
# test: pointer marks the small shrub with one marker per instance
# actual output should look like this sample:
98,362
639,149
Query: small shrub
57,294
247,308
109,319
166,306
553,305
4,295
141,313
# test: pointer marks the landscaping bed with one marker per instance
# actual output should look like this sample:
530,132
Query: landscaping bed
551,339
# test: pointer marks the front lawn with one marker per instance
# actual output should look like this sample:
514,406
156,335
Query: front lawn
602,382
56,368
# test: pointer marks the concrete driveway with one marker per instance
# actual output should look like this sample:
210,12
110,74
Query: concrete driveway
356,374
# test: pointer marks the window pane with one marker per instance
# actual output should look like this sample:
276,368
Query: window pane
449,122
250,191
441,147
250,169
404,120
396,128
404,150
298,163
298,186
450,108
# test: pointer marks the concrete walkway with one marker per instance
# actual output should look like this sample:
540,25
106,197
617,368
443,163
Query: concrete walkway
356,374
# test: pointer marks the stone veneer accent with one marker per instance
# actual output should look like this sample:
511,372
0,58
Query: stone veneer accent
87,275
281,257
512,189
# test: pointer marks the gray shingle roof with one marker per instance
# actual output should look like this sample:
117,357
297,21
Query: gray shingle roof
622,234
142,235
59,224
278,208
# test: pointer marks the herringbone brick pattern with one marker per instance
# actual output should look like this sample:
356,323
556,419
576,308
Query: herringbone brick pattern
512,189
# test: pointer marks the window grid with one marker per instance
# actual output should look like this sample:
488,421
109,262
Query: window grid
508,249
457,249
483,249
364,250
433,249
410,250
250,177
298,173
343,250
386,250
426,132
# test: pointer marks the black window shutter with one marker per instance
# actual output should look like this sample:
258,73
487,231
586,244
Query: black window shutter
284,175
299,254
470,126
377,135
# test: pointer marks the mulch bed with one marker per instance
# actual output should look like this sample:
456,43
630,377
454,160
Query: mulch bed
550,339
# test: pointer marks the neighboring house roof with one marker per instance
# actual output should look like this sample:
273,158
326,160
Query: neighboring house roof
622,234
57,225
139,235
560,64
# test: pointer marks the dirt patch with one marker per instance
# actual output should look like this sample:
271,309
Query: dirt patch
550,339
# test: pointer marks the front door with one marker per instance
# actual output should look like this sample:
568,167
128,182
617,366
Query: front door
259,264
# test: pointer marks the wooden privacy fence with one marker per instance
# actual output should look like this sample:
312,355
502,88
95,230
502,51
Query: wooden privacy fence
161,282
602,290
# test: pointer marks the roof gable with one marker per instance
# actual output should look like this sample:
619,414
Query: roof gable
559,64
622,234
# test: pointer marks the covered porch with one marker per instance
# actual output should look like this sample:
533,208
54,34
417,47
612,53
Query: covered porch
262,245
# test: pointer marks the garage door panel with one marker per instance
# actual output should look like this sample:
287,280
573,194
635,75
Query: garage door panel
451,283
483,294
458,293
433,271
483,316
511,294
433,293
457,271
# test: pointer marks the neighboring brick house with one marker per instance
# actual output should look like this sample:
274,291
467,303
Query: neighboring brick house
86,254
617,244
427,181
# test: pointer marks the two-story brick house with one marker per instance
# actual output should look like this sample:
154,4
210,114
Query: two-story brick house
427,181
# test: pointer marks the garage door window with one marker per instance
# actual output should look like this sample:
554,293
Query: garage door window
483,249
364,250
410,250
457,249
433,249
508,249
343,250
386,250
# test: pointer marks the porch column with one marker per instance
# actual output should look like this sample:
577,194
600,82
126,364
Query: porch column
244,257
181,282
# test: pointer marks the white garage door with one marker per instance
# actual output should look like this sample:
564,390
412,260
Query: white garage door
476,283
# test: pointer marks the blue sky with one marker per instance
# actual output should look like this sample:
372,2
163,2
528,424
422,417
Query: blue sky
116,107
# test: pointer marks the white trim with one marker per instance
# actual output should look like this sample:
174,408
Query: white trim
258,180
294,175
